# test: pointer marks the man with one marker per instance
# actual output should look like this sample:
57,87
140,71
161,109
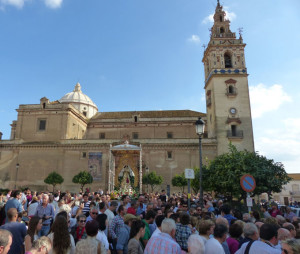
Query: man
18,231
110,211
164,242
283,234
141,206
41,246
149,219
246,217
214,245
14,203
86,202
268,239
158,221
116,225
289,214
250,232
225,212
126,201
163,196
46,212
223,221
291,228
93,214
5,241
102,207
264,210
183,231
122,242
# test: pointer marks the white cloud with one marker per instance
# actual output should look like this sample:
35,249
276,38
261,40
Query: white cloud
208,19
229,15
53,3
194,38
282,144
20,3
266,99
17,3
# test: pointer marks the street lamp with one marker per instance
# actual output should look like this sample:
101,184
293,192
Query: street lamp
17,169
200,124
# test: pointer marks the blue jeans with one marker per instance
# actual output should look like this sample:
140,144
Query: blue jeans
45,230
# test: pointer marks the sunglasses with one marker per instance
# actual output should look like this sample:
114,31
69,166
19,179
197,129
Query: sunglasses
82,221
94,213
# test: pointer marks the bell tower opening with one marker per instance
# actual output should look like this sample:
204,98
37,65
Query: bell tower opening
227,60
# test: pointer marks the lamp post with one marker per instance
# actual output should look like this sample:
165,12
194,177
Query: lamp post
17,169
200,124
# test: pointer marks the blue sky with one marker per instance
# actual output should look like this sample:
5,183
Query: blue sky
146,55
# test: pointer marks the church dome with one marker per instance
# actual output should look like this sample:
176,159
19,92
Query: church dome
80,101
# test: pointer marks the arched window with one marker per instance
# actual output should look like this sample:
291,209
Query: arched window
231,89
227,60
44,105
221,18
222,30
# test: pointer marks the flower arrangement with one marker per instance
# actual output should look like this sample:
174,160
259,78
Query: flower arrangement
119,192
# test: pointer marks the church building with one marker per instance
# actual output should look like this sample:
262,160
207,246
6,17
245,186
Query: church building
70,135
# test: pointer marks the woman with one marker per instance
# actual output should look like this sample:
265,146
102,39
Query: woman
101,236
290,246
235,232
62,241
90,245
78,231
137,231
205,229
35,225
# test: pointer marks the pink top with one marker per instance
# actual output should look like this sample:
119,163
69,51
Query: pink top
233,244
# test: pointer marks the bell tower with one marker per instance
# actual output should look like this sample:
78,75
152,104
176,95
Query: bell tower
226,87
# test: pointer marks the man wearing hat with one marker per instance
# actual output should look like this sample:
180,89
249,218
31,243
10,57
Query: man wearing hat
122,242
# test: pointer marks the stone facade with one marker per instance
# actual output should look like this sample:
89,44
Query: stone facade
69,135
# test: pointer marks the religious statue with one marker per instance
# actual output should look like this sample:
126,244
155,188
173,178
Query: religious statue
125,184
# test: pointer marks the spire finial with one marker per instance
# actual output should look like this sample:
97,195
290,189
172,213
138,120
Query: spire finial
218,2
77,88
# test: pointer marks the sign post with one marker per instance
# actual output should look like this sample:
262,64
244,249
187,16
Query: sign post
189,174
248,184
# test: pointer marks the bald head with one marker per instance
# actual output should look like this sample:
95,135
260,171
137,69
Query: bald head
283,234
222,221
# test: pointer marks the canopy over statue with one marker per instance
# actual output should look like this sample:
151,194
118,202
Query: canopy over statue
125,162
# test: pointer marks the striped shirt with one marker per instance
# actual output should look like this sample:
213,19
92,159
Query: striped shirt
161,244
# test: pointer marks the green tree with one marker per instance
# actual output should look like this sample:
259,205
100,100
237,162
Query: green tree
224,173
179,181
53,179
83,178
152,179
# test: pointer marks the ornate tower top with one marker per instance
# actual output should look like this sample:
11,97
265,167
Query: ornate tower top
221,27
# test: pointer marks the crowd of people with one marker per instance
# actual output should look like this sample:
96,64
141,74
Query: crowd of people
66,223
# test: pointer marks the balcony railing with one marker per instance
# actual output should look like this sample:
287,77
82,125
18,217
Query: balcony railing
235,134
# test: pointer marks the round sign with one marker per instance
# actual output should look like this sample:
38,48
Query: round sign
248,183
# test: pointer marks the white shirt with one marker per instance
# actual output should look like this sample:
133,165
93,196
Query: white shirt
213,246
110,216
101,236
258,247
